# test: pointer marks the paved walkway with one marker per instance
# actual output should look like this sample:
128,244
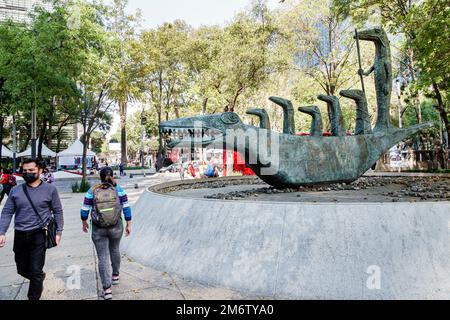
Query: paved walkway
77,256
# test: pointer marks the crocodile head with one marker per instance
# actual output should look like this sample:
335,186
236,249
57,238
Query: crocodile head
375,34
353,94
328,99
202,130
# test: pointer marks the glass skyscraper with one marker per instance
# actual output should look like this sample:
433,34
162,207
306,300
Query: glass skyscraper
18,10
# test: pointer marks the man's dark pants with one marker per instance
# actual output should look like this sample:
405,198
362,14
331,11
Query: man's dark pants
29,249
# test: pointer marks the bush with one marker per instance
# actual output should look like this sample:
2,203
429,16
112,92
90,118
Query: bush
83,187
127,168
75,187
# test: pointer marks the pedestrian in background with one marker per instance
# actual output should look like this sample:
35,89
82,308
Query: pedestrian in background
181,171
8,181
48,176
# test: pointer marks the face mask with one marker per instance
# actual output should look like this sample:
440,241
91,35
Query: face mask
30,177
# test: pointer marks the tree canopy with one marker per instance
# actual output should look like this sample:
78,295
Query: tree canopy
82,61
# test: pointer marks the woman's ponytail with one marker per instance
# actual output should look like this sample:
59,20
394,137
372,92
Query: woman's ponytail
107,176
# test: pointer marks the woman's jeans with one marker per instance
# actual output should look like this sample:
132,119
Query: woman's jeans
107,242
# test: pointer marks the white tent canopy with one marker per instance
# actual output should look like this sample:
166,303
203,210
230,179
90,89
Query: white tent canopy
75,150
72,156
6,153
46,152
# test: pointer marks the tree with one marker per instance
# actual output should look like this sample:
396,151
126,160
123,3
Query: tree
204,46
39,65
322,44
96,77
164,71
424,46
393,15
248,55
125,76
429,22
134,129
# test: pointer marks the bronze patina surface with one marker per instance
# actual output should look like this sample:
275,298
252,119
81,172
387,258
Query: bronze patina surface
306,160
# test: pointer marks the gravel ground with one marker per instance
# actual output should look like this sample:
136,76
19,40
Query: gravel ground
379,189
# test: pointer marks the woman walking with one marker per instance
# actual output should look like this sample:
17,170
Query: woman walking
105,203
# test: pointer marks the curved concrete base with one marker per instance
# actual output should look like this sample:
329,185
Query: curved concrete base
298,251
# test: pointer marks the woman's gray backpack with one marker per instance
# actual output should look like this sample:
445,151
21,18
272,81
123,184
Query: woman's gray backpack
107,207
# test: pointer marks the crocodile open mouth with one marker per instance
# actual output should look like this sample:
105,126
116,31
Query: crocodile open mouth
186,137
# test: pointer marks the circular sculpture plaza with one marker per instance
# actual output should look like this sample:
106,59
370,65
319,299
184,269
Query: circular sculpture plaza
377,238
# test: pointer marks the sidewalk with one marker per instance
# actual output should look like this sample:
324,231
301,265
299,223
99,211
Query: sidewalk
77,254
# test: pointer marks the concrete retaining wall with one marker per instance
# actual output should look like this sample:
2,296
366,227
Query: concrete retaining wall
298,250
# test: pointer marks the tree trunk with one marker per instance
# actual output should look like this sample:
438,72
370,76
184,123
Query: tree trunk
232,105
58,143
419,110
50,135
204,105
416,96
27,140
123,132
441,108
330,92
41,138
84,158
160,143
2,120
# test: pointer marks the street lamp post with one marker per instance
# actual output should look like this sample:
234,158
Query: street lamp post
142,139
33,127
14,149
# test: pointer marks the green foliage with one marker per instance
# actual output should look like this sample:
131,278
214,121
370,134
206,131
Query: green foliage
82,187
429,114
51,63
97,141
422,38
83,60
75,187
429,22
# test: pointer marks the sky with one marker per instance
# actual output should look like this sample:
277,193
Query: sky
194,12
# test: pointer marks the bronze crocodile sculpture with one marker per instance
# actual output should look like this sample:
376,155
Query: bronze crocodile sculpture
286,160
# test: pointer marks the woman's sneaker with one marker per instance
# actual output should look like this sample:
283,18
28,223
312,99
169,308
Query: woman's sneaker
115,280
107,294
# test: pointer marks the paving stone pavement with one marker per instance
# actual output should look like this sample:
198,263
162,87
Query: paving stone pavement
72,268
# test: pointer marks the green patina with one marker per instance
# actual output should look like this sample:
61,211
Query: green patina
316,125
305,160
363,125
264,121
382,69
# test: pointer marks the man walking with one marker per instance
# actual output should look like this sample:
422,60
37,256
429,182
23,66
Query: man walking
29,237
